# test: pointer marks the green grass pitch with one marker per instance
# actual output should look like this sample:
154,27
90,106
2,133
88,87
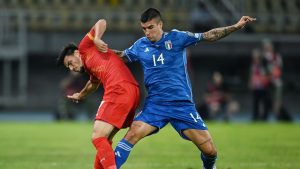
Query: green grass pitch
68,146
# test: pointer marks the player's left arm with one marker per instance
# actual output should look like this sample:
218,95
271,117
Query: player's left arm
88,88
100,28
218,33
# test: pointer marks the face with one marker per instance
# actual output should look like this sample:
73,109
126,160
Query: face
153,29
73,62
256,56
217,77
268,47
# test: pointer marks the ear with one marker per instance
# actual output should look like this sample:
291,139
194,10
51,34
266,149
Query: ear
76,53
161,24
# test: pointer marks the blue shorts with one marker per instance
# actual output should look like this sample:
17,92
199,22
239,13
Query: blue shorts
181,115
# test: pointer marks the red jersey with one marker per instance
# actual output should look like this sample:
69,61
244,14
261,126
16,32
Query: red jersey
106,68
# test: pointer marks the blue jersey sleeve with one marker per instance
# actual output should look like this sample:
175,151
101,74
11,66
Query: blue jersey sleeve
132,52
189,38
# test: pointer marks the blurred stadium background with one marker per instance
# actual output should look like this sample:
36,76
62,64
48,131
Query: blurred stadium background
32,32
32,88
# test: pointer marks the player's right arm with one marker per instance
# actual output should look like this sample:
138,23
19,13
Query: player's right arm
130,54
90,87
121,54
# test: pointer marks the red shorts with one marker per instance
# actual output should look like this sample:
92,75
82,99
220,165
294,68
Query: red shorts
119,114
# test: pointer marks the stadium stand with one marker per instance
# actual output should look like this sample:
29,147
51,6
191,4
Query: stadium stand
62,15
13,50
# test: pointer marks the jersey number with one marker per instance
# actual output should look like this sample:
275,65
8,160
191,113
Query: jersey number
195,118
159,59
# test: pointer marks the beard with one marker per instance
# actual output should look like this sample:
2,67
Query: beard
81,70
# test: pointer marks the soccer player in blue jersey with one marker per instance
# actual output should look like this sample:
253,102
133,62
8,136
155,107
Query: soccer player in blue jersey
170,100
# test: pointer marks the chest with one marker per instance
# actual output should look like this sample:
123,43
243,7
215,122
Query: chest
162,55
96,63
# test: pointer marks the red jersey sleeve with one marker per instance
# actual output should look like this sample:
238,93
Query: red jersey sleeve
93,79
87,42
91,34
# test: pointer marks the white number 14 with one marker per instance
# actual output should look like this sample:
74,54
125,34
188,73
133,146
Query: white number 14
195,118
159,59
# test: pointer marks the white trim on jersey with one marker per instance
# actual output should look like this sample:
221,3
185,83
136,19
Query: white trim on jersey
125,52
186,74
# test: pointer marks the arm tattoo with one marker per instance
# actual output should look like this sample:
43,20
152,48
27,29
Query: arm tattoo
218,33
117,52
120,54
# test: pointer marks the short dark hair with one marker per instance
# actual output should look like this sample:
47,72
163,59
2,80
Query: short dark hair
150,14
67,50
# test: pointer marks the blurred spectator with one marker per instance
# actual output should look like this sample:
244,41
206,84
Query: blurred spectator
218,100
259,84
66,109
201,19
274,65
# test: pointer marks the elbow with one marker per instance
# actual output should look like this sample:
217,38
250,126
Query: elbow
210,39
207,36
213,40
100,28
102,22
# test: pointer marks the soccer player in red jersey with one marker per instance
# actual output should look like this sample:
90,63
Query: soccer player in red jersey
121,92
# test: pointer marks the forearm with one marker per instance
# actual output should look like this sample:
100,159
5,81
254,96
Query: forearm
219,33
88,89
121,54
100,28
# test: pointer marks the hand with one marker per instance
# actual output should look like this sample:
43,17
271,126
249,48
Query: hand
75,97
243,21
101,45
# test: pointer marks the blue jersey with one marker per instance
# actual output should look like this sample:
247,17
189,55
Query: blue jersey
165,65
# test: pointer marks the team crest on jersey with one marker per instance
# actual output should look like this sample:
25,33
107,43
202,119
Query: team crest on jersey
168,45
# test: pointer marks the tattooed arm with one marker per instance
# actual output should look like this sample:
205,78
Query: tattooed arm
121,55
218,33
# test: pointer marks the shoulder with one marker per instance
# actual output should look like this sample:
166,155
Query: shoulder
184,33
179,34
174,32
137,45
140,41
86,42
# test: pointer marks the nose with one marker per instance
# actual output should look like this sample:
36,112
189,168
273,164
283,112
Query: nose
147,33
71,68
